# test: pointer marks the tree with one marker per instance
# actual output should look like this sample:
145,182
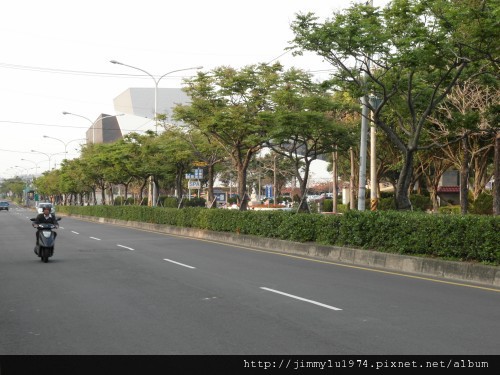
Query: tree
13,186
208,153
224,104
48,184
98,167
410,55
175,157
466,112
303,124
432,165
126,161
271,168
346,165
72,182
143,165
76,179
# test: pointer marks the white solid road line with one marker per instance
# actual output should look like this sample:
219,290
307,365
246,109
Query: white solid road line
180,264
302,299
125,247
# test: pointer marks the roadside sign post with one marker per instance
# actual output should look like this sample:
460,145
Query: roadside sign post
194,180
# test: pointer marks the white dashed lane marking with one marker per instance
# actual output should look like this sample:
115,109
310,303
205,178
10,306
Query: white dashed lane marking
180,264
302,299
125,247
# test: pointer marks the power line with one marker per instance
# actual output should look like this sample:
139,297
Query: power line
74,127
276,58
310,71
109,75
39,124
16,151
75,72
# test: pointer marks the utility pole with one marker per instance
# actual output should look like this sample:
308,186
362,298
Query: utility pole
335,181
365,112
362,154
375,102
352,197
274,179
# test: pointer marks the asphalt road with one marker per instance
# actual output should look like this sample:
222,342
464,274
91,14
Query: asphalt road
116,290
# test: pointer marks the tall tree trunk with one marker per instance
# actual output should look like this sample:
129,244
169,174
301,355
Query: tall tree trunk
303,205
496,184
178,186
111,195
404,180
242,189
103,194
464,176
141,190
241,163
434,200
210,192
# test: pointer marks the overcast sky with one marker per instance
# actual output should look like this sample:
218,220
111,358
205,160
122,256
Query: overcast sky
55,57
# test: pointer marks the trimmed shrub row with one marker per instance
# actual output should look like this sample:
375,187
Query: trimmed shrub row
454,237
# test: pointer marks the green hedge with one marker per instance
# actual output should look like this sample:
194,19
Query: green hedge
483,205
458,237
418,202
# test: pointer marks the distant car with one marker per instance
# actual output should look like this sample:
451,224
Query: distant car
313,198
41,205
4,206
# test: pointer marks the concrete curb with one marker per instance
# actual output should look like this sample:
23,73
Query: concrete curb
449,270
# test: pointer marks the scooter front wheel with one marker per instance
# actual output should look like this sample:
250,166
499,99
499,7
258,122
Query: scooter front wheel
44,254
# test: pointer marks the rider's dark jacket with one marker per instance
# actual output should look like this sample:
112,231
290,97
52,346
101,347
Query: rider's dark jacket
40,219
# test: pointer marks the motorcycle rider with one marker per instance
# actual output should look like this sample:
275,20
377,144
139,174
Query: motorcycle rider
45,218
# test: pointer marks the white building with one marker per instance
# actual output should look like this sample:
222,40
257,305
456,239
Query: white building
141,101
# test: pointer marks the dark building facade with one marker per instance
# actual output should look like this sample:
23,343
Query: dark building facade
104,130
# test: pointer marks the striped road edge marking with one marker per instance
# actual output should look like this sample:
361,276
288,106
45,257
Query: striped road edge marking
302,299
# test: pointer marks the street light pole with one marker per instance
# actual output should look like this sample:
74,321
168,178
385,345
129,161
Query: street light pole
49,156
152,186
36,165
64,143
365,112
362,154
374,102
156,81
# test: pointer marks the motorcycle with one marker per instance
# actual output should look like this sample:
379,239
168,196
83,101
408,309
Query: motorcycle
46,239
